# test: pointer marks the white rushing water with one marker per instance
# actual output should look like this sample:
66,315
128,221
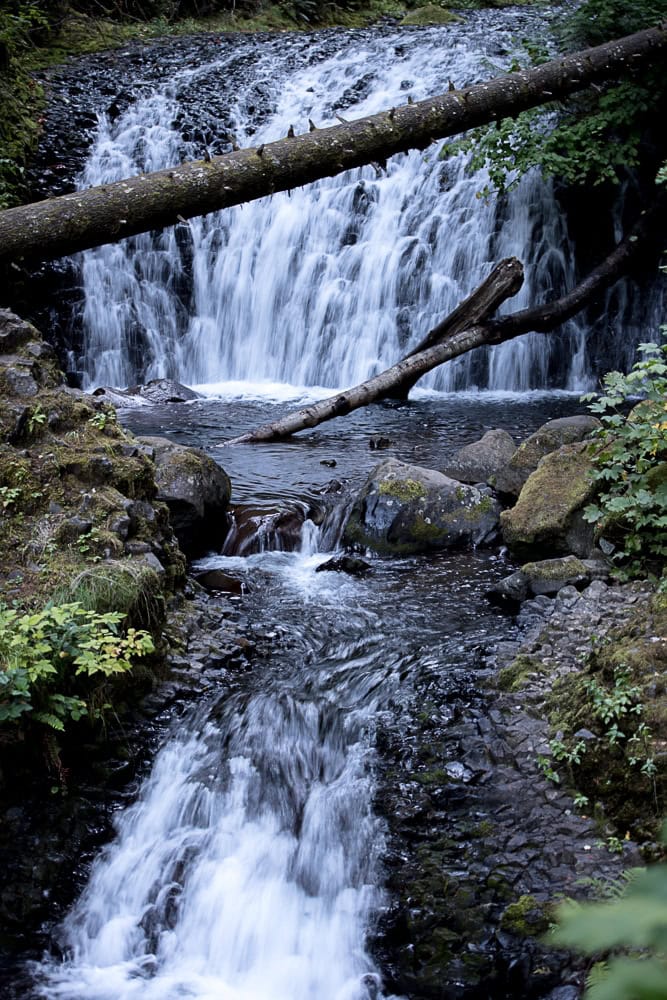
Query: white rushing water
330,283
247,868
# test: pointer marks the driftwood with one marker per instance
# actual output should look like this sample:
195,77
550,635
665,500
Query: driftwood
463,334
59,226
468,327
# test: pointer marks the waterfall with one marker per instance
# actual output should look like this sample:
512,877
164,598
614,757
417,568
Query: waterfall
327,284
247,869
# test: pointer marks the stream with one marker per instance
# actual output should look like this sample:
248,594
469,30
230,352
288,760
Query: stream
254,862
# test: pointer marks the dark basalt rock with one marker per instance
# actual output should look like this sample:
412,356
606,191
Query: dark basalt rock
483,459
196,490
406,508
345,564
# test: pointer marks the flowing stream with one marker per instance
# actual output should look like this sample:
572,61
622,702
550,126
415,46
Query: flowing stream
250,866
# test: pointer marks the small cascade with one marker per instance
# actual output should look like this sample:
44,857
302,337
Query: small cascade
328,284
248,867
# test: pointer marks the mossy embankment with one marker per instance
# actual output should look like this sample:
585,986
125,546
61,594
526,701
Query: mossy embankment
607,708
79,524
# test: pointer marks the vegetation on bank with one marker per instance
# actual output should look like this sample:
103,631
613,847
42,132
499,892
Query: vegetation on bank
83,590
598,137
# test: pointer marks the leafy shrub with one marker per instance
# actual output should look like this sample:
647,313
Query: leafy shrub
636,922
48,657
600,134
630,458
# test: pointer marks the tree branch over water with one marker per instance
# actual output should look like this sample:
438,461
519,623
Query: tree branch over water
58,226
469,326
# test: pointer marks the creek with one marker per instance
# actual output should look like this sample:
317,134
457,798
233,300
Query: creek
254,860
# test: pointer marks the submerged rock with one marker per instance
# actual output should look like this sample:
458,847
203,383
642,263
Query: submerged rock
345,564
406,508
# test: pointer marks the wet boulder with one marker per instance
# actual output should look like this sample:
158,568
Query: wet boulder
546,439
253,529
547,519
406,508
479,461
345,564
195,489
547,576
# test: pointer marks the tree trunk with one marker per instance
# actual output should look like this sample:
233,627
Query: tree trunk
479,306
468,327
58,226
505,280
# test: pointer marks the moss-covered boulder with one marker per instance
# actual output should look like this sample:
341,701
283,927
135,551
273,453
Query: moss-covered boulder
483,459
547,519
430,14
551,436
404,508
546,576
76,491
196,490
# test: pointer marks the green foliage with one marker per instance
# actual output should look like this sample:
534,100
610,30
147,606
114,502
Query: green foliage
613,706
627,452
594,138
48,657
635,921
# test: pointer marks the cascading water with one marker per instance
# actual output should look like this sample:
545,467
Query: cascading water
333,282
247,868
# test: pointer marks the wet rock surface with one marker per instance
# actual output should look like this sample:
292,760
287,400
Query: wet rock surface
480,841
406,508
195,489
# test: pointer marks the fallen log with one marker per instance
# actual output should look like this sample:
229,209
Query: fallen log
505,280
454,336
58,226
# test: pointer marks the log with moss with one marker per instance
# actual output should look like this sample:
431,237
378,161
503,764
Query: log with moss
104,214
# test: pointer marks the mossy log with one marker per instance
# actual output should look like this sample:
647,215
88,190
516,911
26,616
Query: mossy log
73,222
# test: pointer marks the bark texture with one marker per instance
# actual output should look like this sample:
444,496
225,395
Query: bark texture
505,280
59,226
468,327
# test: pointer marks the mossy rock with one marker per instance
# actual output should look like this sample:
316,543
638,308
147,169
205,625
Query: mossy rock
404,509
527,917
430,14
516,674
546,439
610,773
547,519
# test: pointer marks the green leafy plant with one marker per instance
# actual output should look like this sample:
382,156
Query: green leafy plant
593,138
633,922
630,463
36,419
48,656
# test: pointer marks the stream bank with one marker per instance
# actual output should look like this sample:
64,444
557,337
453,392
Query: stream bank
477,841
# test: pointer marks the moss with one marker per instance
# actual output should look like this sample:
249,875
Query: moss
611,773
430,14
402,489
527,917
555,569
559,487
516,675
